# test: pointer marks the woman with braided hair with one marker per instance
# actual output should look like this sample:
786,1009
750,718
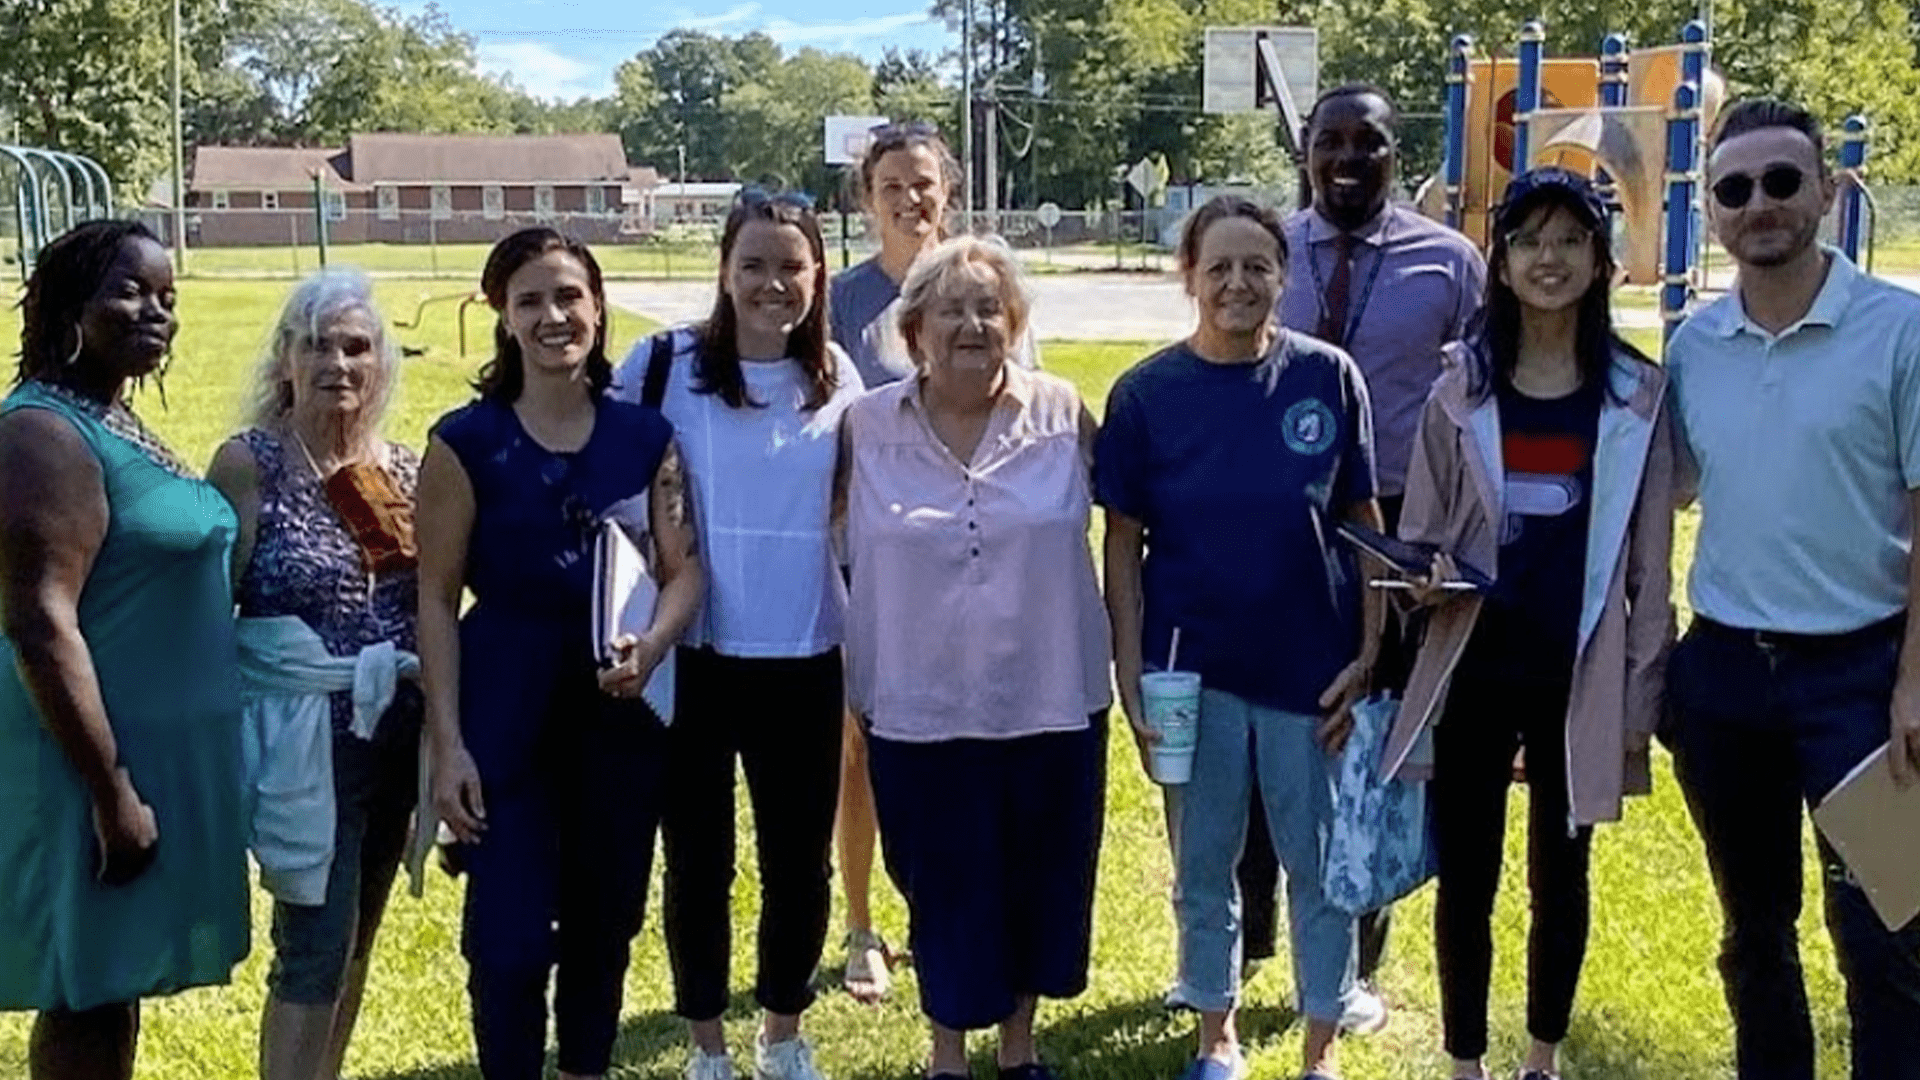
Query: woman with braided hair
120,819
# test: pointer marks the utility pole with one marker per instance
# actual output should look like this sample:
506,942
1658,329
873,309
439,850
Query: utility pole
966,122
179,152
992,136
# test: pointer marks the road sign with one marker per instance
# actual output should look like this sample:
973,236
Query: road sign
1232,81
844,138
1048,213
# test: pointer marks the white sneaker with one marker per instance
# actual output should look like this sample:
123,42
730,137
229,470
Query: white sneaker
1364,1013
704,1066
791,1059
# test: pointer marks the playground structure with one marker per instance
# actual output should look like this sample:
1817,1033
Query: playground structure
43,178
1635,121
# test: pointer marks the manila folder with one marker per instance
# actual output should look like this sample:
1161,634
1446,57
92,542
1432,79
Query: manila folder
1876,829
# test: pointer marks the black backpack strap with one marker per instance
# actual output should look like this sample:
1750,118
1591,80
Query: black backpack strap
659,365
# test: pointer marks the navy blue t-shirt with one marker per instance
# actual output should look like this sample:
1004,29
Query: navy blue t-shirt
1239,487
1529,625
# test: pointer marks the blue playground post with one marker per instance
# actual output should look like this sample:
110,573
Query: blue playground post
1459,56
1853,155
1693,69
1613,95
1533,37
1683,141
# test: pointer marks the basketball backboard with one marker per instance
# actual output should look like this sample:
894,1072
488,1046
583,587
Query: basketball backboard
1232,81
844,140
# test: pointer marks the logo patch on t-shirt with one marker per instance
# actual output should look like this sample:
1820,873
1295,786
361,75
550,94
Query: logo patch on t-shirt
1543,477
1309,427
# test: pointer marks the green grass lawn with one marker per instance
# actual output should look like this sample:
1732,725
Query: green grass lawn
448,261
1650,1006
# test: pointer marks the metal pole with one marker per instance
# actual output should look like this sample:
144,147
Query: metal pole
1613,95
1853,156
179,151
1533,37
966,109
320,218
1459,57
26,197
992,134
1693,69
52,161
1682,144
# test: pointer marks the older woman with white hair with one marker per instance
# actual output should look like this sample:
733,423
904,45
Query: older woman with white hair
977,651
325,578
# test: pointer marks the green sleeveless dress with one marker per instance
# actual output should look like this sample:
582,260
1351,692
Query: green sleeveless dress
157,615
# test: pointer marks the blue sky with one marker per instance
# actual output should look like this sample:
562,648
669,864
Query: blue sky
567,48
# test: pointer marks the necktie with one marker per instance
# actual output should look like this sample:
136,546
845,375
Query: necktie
1333,303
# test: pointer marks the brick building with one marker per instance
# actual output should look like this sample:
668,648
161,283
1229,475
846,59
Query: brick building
389,188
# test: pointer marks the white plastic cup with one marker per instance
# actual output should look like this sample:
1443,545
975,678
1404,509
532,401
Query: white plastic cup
1171,700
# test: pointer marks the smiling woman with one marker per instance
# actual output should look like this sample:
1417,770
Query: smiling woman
325,562
548,770
756,393
120,818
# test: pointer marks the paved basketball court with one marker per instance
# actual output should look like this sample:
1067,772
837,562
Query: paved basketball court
1143,307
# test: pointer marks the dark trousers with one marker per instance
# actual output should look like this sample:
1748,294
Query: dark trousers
781,718
559,880
1486,722
1259,870
1761,724
994,844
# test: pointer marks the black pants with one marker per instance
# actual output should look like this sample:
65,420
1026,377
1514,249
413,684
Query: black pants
1759,726
557,886
1485,723
782,718
1259,870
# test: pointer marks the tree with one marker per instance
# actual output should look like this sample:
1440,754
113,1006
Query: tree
690,72
906,87
775,125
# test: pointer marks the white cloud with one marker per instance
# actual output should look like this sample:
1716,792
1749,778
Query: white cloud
791,33
730,17
541,70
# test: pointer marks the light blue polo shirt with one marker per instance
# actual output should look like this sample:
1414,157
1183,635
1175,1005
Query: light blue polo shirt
1807,445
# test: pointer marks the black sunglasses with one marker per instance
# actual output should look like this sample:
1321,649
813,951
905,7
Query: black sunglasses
1779,182
753,198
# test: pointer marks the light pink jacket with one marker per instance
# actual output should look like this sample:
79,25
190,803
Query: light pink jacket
1455,488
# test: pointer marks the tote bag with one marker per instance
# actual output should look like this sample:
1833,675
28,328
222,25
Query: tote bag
1381,846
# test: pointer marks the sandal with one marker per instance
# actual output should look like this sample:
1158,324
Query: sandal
869,972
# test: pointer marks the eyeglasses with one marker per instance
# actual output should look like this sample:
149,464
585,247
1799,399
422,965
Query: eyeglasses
1566,244
753,198
1779,182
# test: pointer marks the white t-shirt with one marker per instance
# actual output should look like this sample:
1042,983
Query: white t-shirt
762,486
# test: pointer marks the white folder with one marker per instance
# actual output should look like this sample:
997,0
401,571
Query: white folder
625,594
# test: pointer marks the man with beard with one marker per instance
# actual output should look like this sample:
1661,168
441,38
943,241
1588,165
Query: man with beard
1798,396
1390,287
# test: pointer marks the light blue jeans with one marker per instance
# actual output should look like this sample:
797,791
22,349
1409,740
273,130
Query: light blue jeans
1239,744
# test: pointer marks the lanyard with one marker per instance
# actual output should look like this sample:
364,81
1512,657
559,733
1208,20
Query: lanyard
1320,285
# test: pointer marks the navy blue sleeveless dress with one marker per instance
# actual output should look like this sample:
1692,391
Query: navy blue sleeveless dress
570,776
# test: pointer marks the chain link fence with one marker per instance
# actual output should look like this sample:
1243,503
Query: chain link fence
284,244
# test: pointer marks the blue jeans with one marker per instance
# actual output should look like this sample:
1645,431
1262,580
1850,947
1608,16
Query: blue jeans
1241,744
1759,725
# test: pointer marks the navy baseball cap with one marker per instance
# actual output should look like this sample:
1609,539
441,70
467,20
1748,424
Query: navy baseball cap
1552,185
